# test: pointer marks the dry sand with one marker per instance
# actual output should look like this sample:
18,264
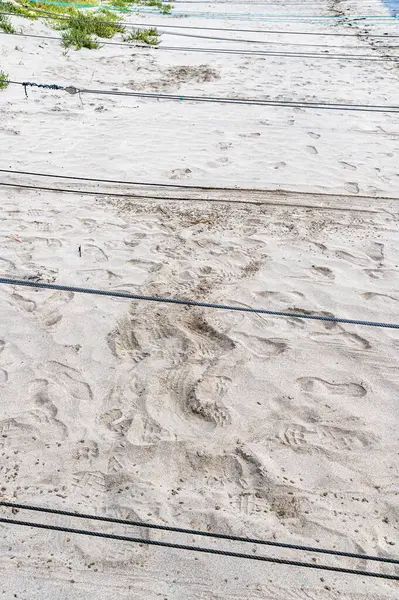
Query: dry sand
275,428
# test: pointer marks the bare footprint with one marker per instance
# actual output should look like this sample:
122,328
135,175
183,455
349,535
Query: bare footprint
315,385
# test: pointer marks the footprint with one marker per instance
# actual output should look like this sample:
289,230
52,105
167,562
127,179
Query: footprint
311,150
204,400
315,385
249,135
85,450
347,166
376,251
180,174
124,343
97,254
356,260
24,303
3,376
352,187
224,145
283,297
50,314
313,135
324,271
70,379
381,273
280,165
372,295
116,421
260,346
342,339
325,438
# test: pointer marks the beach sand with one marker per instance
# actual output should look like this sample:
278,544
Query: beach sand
276,428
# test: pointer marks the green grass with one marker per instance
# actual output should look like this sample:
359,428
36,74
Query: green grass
126,4
83,28
3,80
148,36
6,25
19,9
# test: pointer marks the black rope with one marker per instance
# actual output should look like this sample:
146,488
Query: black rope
136,540
160,185
219,536
190,199
53,86
234,51
268,31
239,101
273,313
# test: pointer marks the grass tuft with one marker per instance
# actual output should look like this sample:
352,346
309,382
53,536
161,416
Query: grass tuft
6,25
148,36
3,80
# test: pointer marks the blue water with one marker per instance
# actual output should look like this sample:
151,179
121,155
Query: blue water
393,6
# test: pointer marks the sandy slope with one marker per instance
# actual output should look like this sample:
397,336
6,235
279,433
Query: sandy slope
277,428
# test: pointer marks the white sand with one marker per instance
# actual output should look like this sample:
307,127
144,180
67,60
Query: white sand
275,428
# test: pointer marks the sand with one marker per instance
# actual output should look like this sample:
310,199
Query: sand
268,427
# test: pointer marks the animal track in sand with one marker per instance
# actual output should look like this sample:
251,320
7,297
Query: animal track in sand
316,385
262,347
325,438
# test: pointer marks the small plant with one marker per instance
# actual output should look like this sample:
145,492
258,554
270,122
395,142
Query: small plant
81,29
125,5
148,36
6,25
3,80
73,38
